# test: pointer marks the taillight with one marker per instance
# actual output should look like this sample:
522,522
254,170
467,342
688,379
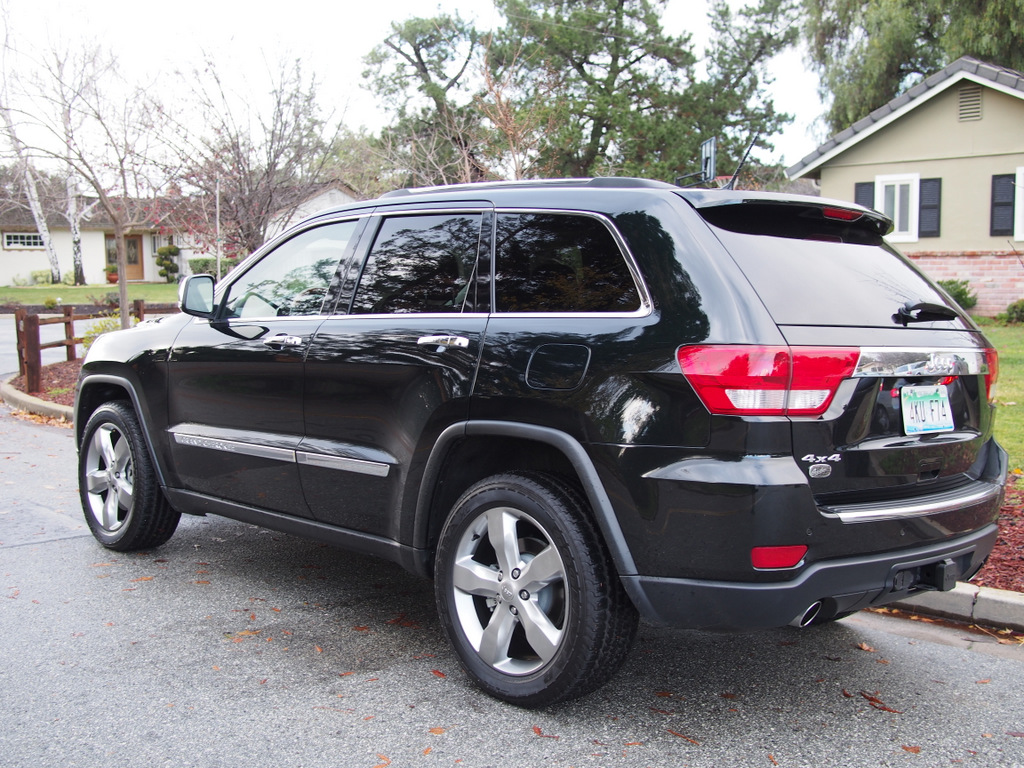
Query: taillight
841,214
992,360
766,380
777,557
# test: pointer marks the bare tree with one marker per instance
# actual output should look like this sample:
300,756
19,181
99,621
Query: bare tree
263,161
85,116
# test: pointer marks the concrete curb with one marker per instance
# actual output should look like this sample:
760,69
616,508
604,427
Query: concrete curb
973,604
22,402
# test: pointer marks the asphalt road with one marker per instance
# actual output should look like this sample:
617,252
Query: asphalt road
232,646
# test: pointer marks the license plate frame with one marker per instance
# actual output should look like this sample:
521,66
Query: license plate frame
926,410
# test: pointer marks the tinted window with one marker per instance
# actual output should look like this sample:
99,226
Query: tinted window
420,264
294,277
560,263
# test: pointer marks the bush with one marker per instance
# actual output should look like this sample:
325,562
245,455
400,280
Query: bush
207,265
1015,312
167,260
102,325
961,292
41,277
51,303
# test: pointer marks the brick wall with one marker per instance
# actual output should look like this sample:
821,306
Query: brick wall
996,276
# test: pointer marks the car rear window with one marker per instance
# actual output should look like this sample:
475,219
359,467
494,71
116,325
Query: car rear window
811,270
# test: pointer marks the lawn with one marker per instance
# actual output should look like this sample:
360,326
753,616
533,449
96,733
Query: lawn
155,293
1009,340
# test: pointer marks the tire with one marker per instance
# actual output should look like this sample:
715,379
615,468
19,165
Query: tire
527,592
123,504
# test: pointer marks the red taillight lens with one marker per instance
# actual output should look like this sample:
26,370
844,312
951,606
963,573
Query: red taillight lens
766,381
992,359
841,214
777,557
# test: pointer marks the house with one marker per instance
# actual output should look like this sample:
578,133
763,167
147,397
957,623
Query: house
22,252
329,196
945,160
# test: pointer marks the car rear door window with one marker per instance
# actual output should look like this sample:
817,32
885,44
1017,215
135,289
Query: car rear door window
560,263
420,264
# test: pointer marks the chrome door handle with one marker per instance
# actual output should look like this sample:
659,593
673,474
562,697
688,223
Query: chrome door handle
443,342
283,340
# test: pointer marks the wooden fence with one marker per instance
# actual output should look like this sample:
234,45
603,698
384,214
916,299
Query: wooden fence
30,347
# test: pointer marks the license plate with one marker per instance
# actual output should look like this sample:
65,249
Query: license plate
926,410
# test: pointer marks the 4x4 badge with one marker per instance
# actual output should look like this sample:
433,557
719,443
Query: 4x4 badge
812,458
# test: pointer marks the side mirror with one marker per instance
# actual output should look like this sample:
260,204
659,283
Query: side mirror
195,296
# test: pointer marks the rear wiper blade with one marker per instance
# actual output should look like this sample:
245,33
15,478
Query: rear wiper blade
923,312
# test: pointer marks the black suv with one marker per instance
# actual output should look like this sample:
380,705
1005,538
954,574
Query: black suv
571,403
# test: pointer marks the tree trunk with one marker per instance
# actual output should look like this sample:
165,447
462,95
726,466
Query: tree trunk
74,217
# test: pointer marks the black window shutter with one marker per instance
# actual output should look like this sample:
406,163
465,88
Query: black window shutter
930,194
864,193
1003,190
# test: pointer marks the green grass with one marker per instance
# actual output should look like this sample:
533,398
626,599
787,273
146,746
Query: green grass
1009,340
156,293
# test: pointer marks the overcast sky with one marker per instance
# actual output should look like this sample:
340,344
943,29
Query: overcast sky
153,39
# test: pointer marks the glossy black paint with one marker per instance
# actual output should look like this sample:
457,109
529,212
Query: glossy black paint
375,433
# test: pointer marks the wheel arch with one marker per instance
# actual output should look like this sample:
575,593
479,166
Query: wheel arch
98,388
456,462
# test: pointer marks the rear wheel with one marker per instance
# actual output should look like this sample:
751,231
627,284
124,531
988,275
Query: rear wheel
122,500
527,592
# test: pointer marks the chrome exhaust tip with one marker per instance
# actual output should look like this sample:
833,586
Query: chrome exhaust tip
808,616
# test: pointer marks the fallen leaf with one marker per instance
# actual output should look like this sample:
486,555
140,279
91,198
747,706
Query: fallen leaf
729,696
438,672
663,694
361,629
847,694
437,731
636,743
1016,734
539,732
912,750
865,647
879,704
772,758
687,738
984,682
200,582
386,761
428,750
318,649
142,578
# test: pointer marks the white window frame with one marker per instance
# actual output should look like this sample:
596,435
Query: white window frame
10,243
913,182
1018,206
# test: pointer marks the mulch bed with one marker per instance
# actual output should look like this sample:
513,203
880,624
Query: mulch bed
1004,570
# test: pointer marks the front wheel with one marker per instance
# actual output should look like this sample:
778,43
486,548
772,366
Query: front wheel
527,592
122,500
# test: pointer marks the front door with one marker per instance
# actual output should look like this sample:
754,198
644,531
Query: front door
134,269
235,382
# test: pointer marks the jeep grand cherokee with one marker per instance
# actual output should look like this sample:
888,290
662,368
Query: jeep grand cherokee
571,403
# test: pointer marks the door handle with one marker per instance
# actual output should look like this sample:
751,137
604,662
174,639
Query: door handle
443,342
283,340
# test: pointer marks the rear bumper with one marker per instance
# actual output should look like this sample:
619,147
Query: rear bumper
839,586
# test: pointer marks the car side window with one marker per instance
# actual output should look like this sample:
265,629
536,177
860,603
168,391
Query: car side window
293,278
560,263
420,264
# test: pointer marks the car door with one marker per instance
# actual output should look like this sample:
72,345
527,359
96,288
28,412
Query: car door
235,382
386,378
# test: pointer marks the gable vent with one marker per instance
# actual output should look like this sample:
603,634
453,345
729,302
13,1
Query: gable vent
970,102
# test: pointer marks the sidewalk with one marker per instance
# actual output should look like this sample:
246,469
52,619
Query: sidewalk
967,602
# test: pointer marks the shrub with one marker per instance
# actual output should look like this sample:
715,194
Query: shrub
207,265
102,325
167,260
50,303
41,277
961,292
1015,312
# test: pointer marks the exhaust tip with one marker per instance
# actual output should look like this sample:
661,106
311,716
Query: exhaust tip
808,616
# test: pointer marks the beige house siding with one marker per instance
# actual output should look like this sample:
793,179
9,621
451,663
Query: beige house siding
932,142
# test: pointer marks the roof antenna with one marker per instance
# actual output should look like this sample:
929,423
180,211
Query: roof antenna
732,181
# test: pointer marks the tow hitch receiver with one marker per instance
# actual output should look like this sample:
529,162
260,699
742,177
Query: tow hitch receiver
941,576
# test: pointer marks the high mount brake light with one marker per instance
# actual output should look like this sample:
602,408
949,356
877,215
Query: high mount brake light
841,214
766,380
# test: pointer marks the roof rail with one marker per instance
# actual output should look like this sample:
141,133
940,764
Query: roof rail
612,182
